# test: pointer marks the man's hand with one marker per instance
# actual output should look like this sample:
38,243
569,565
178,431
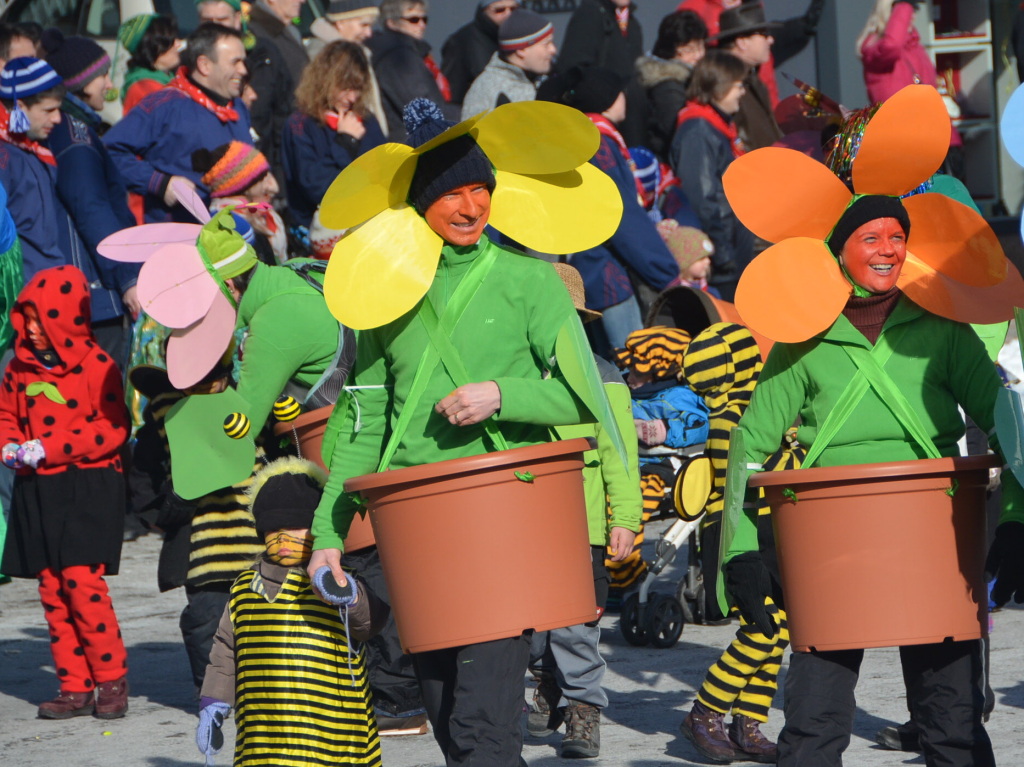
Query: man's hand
471,404
621,543
169,196
332,559
131,302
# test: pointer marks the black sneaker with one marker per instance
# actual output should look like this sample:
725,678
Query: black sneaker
906,737
401,725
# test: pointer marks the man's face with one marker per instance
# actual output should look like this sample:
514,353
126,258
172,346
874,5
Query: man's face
285,10
223,74
413,22
536,58
459,217
874,254
498,11
754,50
219,12
22,46
42,117
357,30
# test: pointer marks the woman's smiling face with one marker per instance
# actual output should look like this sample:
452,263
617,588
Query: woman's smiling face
874,254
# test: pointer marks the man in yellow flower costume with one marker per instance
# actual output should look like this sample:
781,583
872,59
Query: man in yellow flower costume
464,346
874,356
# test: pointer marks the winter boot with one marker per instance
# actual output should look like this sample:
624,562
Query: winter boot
112,699
546,716
752,744
67,705
582,731
705,729
906,737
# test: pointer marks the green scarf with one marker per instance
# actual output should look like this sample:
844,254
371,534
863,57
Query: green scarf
135,74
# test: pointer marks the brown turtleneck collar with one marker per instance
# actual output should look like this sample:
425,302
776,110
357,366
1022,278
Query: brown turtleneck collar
869,314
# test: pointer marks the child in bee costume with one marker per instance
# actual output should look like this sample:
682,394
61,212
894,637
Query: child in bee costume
289,664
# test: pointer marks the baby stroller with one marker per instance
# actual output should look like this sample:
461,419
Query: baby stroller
658,618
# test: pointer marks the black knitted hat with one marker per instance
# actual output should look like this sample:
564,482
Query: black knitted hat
864,209
284,495
453,164
589,89
78,60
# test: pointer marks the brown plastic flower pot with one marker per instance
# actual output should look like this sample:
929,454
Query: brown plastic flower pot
881,554
482,548
307,433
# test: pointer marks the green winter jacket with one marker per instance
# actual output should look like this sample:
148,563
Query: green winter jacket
607,482
937,364
292,337
506,335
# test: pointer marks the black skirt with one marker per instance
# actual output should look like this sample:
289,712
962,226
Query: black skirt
61,520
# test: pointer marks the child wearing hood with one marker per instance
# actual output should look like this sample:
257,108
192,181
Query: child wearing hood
62,424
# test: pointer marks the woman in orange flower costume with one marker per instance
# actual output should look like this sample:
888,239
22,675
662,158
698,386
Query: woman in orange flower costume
845,292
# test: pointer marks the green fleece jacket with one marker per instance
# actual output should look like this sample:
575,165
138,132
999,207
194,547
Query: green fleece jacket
292,337
507,335
938,364
607,481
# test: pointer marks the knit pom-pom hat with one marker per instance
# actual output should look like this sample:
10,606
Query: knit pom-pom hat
231,168
453,164
23,77
78,60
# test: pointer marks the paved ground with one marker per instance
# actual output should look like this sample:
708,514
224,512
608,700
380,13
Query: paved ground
650,690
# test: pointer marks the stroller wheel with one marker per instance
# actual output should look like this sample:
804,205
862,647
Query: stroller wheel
629,621
664,621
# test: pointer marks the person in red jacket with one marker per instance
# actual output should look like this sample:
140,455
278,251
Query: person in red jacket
62,424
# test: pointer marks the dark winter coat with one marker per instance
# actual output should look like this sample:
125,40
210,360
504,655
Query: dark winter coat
285,38
270,78
94,195
466,52
756,119
636,243
402,76
664,81
700,154
314,155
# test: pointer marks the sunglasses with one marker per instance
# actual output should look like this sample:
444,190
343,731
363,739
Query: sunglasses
504,9
415,19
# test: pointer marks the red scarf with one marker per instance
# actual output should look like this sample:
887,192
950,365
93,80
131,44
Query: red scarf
622,17
439,78
695,111
607,128
22,141
181,82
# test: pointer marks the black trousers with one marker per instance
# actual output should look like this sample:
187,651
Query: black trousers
198,624
943,692
392,677
474,699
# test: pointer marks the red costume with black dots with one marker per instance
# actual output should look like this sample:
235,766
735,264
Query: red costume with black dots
67,515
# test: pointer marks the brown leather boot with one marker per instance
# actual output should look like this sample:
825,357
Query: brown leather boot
705,729
112,699
754,746
582,731
67,705
545,717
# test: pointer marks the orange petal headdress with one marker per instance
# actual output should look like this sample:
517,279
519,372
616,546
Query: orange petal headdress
795,289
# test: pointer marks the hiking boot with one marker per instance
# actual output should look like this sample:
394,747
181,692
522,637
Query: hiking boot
582,731
746,735
705,729
401,725
906,737
112,699
67,705
546,716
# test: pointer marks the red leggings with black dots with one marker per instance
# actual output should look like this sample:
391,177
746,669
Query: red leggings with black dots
84,636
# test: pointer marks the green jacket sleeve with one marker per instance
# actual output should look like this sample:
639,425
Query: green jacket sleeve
355,452
621,482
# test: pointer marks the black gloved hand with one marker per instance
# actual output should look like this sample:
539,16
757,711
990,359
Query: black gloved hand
1005,563
748,583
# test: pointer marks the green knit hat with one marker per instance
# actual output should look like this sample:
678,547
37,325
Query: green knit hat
130,33
235,4
223,250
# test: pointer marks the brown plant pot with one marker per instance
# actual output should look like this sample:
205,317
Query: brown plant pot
879,555
307,432
473,553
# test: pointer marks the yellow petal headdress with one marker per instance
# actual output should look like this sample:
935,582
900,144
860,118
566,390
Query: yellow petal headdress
547,198
795,289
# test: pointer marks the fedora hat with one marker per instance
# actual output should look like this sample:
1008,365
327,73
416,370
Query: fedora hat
743,19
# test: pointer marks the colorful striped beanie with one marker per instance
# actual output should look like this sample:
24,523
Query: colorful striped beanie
130,33
23,77
233,168
522,29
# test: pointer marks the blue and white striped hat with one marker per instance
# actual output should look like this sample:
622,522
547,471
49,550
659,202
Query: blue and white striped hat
22,77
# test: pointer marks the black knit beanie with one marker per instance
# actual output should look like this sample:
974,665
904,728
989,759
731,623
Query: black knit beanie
589,89
78,60
453,164
284,495
864,209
